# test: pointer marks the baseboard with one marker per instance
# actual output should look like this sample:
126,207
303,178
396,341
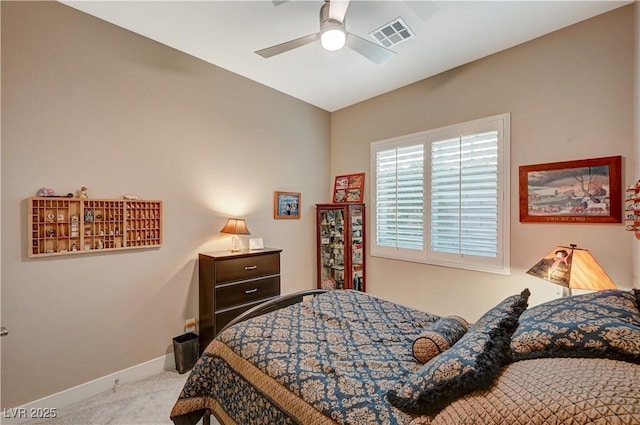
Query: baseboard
34,410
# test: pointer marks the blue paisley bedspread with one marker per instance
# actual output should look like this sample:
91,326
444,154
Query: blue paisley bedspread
340,352
332,359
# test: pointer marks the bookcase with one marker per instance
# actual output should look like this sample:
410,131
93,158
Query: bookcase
340,246
62,226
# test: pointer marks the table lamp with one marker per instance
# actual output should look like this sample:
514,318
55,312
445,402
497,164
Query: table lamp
235,226
572,268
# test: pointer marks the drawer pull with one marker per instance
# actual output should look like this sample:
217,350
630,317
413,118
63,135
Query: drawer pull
251,291
250,267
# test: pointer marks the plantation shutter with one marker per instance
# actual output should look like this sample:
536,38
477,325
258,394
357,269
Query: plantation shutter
399,196
464,195
441,196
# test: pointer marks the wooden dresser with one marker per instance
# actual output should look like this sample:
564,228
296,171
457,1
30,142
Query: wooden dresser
233,282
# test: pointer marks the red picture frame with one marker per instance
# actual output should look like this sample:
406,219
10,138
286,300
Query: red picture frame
582,191
348,188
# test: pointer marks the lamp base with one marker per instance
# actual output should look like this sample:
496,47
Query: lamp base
236,244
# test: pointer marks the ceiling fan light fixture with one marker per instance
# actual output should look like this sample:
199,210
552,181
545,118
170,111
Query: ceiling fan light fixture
333,36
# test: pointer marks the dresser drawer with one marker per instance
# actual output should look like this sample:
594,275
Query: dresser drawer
246,292
234,269
224,317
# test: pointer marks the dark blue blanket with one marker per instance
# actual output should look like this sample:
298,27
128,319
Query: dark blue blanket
340,352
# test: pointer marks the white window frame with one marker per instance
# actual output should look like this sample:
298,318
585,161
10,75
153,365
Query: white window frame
501,263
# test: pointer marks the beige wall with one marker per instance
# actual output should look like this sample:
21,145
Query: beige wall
570,95
87,103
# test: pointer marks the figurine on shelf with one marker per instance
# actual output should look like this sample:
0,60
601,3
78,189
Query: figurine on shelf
99,244
44,191
83,193
75,226
130,196
328,283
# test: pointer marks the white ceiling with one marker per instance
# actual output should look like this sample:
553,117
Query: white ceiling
448,34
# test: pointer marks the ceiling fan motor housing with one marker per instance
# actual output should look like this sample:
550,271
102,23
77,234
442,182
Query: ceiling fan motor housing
332,31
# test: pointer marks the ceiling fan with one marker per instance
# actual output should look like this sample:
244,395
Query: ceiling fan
333,36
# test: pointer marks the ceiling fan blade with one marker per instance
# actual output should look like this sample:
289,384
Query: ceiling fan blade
289,45
374,52
338,9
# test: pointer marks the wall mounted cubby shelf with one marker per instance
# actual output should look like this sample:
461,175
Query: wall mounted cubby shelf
62,226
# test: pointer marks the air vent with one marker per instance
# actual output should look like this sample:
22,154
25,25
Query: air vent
395,32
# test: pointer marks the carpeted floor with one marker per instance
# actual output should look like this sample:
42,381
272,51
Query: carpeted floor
146,402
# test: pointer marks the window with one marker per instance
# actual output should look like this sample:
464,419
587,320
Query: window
441,196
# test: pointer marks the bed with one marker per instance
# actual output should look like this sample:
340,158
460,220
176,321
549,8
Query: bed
346,357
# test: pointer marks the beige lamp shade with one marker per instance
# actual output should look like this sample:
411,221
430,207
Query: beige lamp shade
236,226
573,268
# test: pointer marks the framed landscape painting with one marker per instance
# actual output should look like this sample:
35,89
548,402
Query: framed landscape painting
582,191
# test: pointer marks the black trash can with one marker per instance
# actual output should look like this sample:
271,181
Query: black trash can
185,351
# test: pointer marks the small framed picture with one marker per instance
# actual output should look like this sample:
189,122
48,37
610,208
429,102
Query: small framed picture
348,188
256,244
286,205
